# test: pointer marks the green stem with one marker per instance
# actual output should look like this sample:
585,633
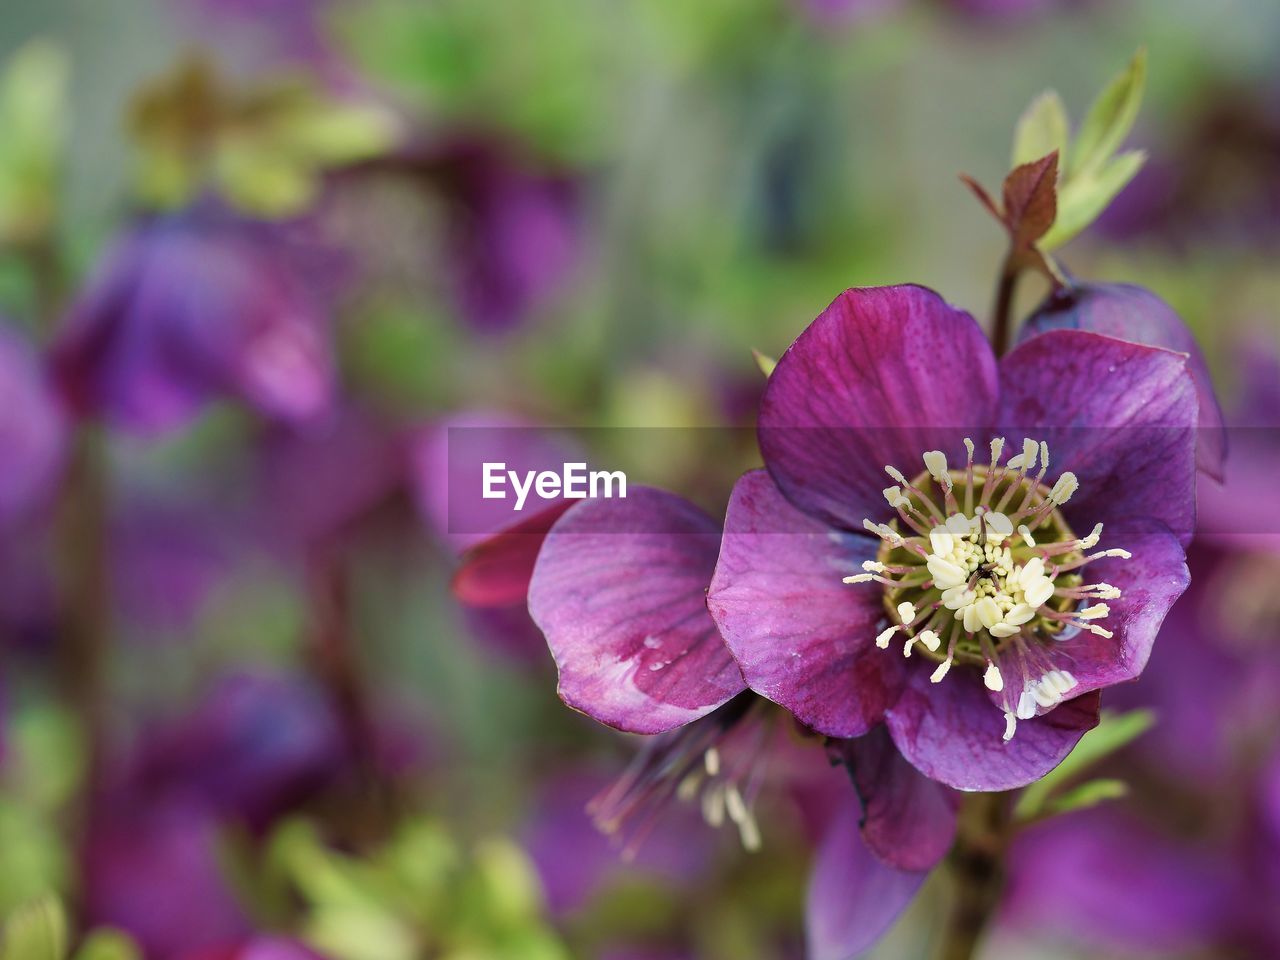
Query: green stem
977,865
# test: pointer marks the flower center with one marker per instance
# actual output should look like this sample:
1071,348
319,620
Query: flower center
981,569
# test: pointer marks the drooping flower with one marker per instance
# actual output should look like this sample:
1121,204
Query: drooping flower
979,607
193,307
619,592
32,430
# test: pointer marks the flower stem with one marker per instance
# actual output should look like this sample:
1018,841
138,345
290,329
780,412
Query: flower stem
977,864
1002,315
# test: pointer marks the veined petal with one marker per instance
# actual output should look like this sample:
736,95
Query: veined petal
952,733
908,820
1150,581
1132,313
876,380
853,896
1121,416
619,590
803,638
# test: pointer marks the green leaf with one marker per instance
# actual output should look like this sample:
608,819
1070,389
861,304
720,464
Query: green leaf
1082,199
1086,795
764,362
1041,129
107,944
37,931
1113,732
1110,118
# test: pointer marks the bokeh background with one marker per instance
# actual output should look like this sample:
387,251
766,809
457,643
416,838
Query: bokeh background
257,256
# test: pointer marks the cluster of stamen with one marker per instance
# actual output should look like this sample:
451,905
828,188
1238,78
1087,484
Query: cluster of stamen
716,762
981,568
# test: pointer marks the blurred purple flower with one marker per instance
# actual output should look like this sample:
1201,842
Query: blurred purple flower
167,559
153,870
256,746
259,948
1217,184
32,430
310,493
884,376
192,307
513,231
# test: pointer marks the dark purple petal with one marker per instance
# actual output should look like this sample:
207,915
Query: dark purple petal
1150,582
154,872
908,820
32,430
194,306
803,638
1132,313
619,590
874,381
853,897
496,571
256,746
1121,416
952,733
1106,880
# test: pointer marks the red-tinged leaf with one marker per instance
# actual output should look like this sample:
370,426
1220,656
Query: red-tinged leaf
1031,200
496,571
983,197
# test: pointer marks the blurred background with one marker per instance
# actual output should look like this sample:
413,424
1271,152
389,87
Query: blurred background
258,256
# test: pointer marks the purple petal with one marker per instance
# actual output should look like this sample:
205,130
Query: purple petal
620,592
803,638
908,820
1149,582
1132,313
853,897
194,306
874,381
1121,416
952,733
32,430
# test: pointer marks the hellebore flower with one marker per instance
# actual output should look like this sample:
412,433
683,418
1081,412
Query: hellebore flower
32,430
1129,312
958,606
619,592
192,307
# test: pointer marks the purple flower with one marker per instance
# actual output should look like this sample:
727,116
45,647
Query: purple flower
981,569
255,746
153,870
190,308
32,430
619,591
1129,312
262,947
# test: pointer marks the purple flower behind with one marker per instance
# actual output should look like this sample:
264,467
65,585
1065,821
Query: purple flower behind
193,307
32,430
255,746
153,870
